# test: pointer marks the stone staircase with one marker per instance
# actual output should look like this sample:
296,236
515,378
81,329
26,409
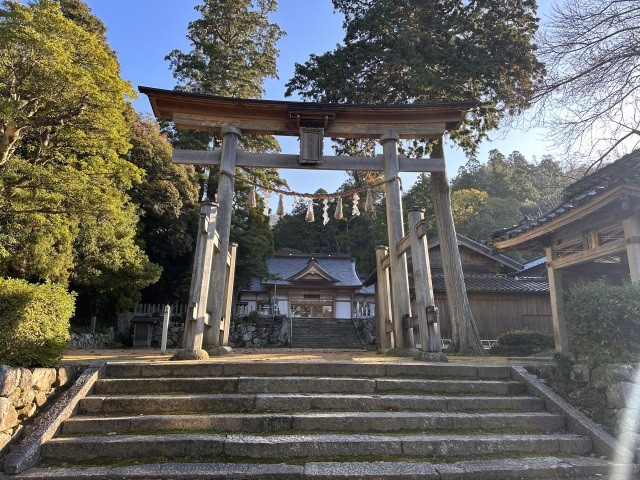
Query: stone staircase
325,420
324,333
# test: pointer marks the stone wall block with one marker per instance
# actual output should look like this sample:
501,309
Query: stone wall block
26,379
22,398
627,420
580,373
619,394
606,375
9,380
65,376
43,379
8,414
5,438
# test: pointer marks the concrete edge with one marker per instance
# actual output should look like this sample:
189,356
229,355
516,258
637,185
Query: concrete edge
578,423
27,453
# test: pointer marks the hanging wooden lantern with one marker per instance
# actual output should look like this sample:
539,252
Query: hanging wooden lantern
368,206
280,211
338,215
310,216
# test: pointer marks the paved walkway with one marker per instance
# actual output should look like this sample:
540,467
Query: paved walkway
283,355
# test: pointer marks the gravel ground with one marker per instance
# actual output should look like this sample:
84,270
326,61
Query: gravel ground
282,355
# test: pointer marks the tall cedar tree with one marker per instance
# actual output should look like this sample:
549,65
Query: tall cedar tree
65,215
421,51
233,51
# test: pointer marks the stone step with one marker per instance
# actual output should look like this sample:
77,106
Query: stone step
303,385
324,369
535,468
159,404
352,422
322,446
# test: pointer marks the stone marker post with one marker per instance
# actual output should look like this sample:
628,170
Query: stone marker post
165,329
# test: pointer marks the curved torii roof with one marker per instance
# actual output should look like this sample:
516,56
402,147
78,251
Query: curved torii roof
274,117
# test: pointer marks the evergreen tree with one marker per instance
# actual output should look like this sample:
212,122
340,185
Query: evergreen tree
233,50
420,51
65,215
167,201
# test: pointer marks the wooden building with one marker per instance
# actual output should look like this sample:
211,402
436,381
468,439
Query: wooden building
593,234
309,286
503,295
501,299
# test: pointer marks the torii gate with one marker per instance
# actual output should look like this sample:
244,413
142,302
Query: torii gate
208,319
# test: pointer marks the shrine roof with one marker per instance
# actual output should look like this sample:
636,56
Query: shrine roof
277,117
586,191
340,267
496,283
483,249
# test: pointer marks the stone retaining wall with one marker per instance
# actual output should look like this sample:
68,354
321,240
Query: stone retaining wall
92,341
366,328
23,391
252,335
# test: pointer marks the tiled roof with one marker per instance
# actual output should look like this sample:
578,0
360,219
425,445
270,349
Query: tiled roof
256,285
532,265
483,249
625,169
497,283
370,290
340,267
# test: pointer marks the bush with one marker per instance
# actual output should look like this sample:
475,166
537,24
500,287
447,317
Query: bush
604,321
34,323
522,343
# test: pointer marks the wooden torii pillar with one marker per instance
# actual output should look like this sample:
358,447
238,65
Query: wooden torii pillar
311,122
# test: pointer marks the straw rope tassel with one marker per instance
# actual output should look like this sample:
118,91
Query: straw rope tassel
325,211
355,211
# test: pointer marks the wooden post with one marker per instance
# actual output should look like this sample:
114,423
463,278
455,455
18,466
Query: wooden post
430,340
230,136
401,302
383,301
198,293
632,235
165,329
556,293
228,302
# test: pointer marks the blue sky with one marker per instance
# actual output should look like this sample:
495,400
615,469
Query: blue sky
143,32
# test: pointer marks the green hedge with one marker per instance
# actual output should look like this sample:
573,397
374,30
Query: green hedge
34,323
604,321
522,343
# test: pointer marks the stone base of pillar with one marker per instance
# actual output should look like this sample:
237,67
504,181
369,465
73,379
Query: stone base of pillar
401,352
219,351
431,357
190,355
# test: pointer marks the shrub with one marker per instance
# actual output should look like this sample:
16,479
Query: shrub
34,323
604,321
522,343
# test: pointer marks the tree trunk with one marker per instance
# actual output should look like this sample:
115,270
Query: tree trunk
8,140
464,333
